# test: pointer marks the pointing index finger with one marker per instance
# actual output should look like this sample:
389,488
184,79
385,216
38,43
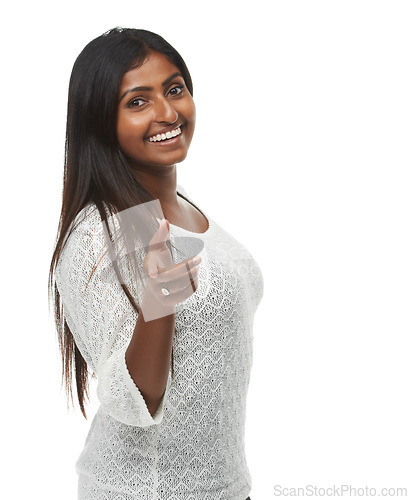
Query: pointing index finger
180,269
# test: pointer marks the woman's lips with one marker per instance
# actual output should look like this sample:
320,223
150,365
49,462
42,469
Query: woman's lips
165,140
166,135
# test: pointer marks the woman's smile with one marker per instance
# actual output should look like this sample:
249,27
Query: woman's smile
166,137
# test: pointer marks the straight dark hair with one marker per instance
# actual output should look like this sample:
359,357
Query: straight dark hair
95,169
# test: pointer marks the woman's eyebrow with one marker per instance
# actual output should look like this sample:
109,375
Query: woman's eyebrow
137,89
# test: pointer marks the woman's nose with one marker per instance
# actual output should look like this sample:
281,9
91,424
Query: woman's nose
164,111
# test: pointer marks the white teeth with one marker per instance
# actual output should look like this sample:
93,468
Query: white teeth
168,135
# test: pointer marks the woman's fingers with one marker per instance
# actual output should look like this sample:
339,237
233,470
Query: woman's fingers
179,283
186,292
158,253
170,284
179,270
176,296
159,238
176,284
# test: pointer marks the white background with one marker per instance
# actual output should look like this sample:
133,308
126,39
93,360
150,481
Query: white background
301,153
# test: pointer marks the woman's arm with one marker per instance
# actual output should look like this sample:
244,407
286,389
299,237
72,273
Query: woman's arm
148,357
130,356
149,351
108,331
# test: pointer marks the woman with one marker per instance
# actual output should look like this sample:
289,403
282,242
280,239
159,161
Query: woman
172,354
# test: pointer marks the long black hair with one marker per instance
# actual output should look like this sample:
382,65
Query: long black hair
95,169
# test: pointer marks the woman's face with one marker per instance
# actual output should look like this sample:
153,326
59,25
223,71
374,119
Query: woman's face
154,99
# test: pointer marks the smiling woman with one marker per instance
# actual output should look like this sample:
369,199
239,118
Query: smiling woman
171,346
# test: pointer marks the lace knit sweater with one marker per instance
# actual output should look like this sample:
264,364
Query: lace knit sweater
193,447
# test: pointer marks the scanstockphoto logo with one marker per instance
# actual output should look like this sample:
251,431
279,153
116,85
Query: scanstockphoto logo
341,490
129,233
132,241
128,237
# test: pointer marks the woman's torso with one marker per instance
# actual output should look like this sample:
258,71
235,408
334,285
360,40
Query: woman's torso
198,448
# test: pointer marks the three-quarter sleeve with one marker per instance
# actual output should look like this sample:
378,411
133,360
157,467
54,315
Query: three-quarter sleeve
102,320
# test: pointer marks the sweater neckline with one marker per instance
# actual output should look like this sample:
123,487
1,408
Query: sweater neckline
209,225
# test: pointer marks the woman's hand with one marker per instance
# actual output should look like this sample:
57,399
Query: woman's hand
180,280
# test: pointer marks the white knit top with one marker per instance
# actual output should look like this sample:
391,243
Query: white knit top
193,448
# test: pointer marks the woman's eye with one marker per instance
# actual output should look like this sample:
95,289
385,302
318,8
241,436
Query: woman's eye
136,103
176,90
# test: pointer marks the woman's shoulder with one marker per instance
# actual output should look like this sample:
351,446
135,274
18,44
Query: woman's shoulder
88,220
87,223
88,216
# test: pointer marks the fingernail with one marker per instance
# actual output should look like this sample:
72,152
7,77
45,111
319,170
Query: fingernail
196,260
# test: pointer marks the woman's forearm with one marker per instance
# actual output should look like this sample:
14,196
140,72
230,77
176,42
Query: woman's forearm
149,353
